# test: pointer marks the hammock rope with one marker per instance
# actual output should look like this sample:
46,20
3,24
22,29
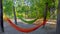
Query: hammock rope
26,30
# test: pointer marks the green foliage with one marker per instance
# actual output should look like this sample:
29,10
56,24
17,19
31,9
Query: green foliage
31,8
7,7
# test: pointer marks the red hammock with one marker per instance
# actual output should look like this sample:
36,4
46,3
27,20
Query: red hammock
26,30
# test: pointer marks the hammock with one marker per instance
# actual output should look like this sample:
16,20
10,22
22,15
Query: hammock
26,30
29,22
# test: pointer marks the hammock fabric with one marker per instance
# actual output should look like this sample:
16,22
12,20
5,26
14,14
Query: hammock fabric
29,22
26,30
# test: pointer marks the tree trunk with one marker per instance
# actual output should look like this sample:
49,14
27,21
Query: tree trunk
1,17
45,14
58,19
15,18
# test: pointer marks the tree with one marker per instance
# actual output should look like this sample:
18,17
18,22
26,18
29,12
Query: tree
1,17
58,19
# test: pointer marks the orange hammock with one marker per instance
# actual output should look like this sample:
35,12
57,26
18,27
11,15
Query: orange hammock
26,30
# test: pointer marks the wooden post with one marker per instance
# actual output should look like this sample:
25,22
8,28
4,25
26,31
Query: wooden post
1,17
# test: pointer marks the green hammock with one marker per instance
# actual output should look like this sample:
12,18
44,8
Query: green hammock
29,22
